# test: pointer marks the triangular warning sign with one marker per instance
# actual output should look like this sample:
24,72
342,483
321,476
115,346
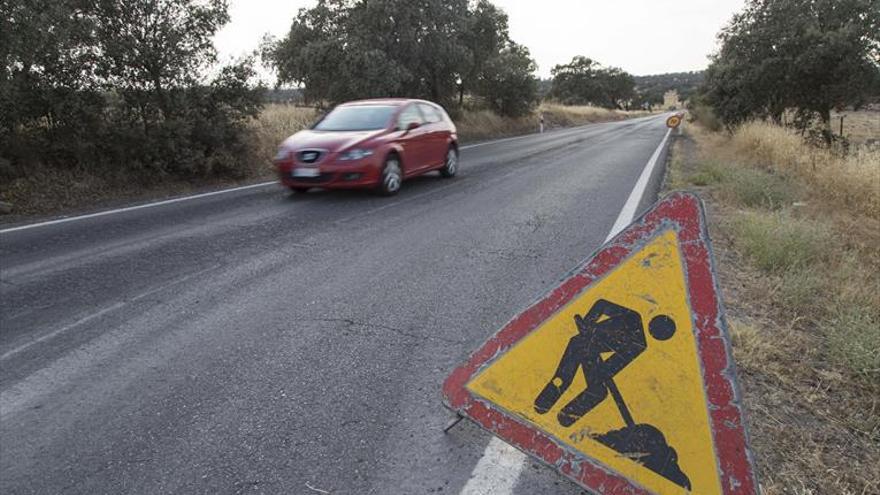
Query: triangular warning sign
622,376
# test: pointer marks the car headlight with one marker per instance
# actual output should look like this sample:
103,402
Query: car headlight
282,154
355,154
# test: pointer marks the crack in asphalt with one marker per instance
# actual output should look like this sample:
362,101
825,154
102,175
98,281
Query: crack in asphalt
349,322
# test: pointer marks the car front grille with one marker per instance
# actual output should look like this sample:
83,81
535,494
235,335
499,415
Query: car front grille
326,177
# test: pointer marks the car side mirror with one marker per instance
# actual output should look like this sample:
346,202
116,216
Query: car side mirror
412,125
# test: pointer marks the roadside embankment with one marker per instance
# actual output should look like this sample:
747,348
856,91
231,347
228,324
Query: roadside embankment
796,231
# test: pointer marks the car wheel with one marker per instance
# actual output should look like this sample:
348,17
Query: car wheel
392,176
451,166
299,190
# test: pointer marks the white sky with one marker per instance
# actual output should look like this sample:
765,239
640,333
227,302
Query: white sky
641,36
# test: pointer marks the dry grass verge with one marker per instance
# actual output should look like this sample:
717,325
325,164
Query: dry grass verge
852,180
478,125
797,240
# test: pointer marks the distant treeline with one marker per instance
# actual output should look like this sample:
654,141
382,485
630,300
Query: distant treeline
650,89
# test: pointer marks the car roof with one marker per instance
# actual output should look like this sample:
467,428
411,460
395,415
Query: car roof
385,101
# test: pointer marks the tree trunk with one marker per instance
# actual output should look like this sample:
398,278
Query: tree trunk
825,115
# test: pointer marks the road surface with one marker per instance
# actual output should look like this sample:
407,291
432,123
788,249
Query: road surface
258,342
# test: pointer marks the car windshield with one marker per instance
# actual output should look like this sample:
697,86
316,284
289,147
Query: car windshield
356,118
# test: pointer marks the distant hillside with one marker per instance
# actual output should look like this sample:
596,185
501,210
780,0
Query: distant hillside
651,88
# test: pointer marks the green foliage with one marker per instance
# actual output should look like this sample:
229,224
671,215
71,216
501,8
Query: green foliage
584,81
704,114
756,188
853,335
707,174
507,83
342,50
777,242
808,55
119,84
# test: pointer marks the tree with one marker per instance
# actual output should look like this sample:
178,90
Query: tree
583,81
485,35
811,56
508,83
348,49
156,46
100,83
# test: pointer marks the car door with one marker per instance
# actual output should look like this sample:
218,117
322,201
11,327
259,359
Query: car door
437,135
413,141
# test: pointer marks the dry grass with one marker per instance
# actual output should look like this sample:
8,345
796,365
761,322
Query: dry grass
852,180
858,127
798,265
279,121
478,125
276,122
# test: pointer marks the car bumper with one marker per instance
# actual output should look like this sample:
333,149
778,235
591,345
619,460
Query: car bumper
331,176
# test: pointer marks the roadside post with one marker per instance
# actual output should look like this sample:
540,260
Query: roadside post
541,123
621,378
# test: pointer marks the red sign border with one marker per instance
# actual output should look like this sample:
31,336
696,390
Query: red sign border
684,212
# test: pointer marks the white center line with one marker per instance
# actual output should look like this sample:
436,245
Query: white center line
497,472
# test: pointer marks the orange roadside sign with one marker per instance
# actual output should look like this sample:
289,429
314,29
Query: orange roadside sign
673,121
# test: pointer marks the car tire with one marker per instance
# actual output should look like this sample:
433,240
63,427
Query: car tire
450,167
392,176
299,190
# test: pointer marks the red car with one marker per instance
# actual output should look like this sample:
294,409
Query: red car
370,144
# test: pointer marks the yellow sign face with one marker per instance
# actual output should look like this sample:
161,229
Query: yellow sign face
615,375
673,121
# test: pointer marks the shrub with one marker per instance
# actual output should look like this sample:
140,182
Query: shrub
756,188
853,336
708,173
778,241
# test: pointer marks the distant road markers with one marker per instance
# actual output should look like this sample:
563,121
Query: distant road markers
673,121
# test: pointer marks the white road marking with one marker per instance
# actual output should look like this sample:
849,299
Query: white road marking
498,470
101,313
138,207
61,330
635,197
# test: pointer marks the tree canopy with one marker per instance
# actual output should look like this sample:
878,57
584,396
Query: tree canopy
436,49
583,81
120,83
810,56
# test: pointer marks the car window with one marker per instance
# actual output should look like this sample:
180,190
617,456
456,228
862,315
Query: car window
409,115
356,118
431,114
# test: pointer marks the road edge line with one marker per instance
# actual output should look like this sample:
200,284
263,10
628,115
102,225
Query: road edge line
135,207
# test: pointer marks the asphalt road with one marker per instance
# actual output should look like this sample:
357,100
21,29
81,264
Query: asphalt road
260,342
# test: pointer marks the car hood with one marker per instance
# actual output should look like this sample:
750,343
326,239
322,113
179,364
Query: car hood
331,141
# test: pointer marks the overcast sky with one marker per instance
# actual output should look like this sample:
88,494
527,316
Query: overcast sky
641,36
